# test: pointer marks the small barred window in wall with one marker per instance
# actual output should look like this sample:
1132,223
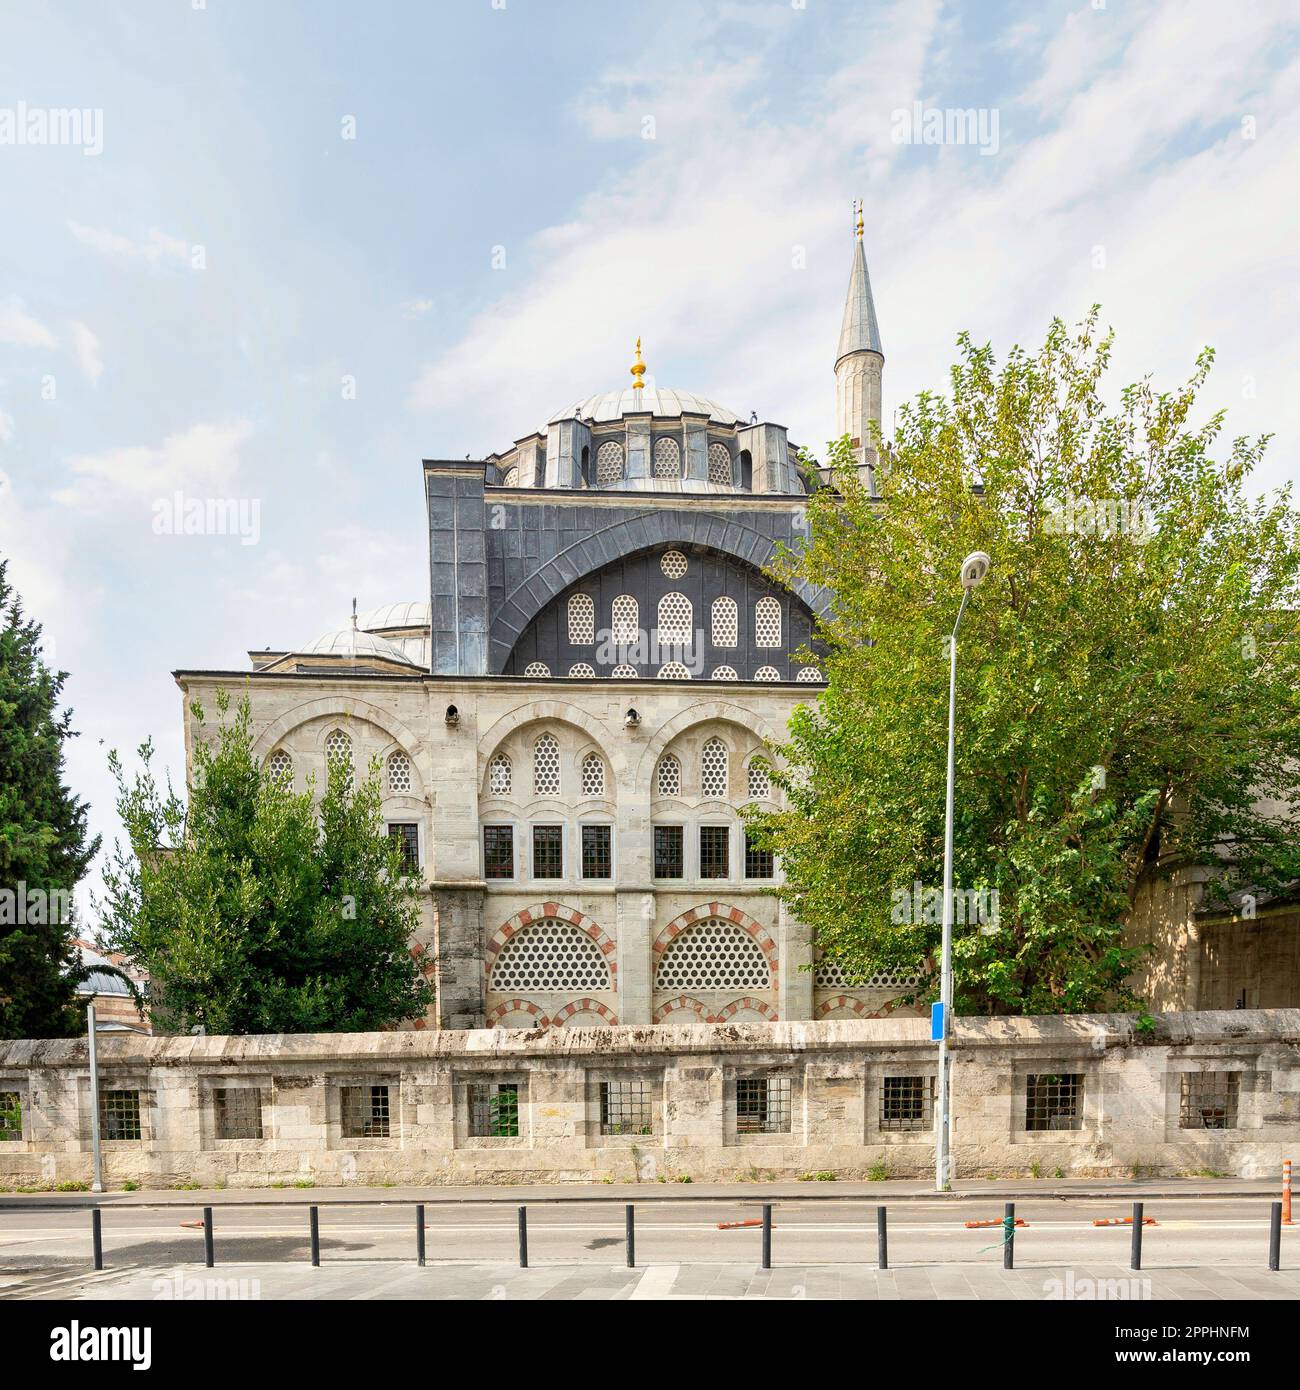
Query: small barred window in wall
625,620
279,767
623,672
580,670
720,464
338,752
593,775
549,956
582,620
907,1102
670,851
548,851
808,673
767,623
405,838
546,766
673,671
759,781
364,1112
119,1114
763,1105
1209,1100
767,673
715,846
1054,1100
626,1106
11,1115
668,458
675,619
500,775
609,463
237,1111
713,954
399,773
673,564
498,851
726,626
597,851
493,1109
537,668
724,673
713,769
668,777
759,862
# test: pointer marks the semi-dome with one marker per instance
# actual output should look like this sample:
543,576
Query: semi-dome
638,400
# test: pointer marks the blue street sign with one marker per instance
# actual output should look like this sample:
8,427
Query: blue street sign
936,1022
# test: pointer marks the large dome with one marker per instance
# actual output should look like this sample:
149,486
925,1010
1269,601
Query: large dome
353,642
661,401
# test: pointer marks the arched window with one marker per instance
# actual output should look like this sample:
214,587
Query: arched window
808,673
584,466
713,954
759,781
673,564
593,775
279,768
724,673
547,956
767,623
623,672
609,463
399,772
668,458
713,769
625,620
511,478
668,776
720,464
338,752
767,673
673,671
746,470
582,670
582,620
537,668
676,619
726,624
500,775
546,766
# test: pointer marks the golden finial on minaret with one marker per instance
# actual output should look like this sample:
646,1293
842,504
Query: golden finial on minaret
638,369
857,208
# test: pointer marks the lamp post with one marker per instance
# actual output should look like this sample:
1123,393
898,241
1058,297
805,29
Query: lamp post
98,1154
973,569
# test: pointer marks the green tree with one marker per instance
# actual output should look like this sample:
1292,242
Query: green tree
253,909
44,848
1128,682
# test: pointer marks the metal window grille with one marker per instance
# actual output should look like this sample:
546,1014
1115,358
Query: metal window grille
668,458
767,623
676,617
625,620
1209,1100
338,751
907,1102
626,1107
365,1112
494,1110
714,842
726,622
399,773
673,564
550,956
720,464
279,767
763,1105
724,673
673,671
582,620
759,862
238,1111
807,674
597,854
582,670
498,851
593,775
537,668
759,781
548,851
668,777
609,463
1054,1100
500,775
713,769
546,766
669,851
405,836
623,672
119,1114
11,1115
713,954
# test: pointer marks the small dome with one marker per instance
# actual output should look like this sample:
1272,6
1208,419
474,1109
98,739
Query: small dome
395,616
660,401
351,641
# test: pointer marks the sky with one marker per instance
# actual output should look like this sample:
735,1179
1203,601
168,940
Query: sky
294,248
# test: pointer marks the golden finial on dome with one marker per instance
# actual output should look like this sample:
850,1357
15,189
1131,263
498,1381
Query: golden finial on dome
857,208
638,369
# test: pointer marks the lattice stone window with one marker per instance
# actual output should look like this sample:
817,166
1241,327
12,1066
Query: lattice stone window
724,673
767,673
668,776
580,670
831,972
338,752
365,1112
763,1104
1209,1100
593,775
1054,1100
546,766
500,775
668,458
119,1114
907,1103
673,564
625,620
279,768
11,1116
493,1109
238,1112
767,623
676,619
623,672
713,954
807,674
758,778
673,671
549,956
582,620
714,763
399,773
537,668
720,464
511,478
609,463
726,622
626,1107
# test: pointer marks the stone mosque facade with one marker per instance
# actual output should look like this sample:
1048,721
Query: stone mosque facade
570,725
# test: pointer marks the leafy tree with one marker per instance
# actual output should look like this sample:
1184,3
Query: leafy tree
1128,681
44,849
255,910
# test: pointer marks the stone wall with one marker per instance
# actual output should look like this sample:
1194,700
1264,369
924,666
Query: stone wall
709,1102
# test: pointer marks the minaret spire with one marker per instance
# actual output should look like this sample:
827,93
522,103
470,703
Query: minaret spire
859,360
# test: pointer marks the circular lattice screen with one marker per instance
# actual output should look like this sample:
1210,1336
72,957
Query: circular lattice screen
675,619
668,459
767,623
625,619
623,672
831,973
673,564
724,673
725,624
760,783
808,673
279,767
609,462
767,673
338,750
593,775
546,766
582,620
500,775
713,769
713,955
581,670
719,464
399,773
668,779
673,671
537,668
549,956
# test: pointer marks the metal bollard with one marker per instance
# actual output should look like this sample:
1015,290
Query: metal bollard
419,1234
523,1237
1275,1237
630,1225
313,1214
767,1235
1286,1191
209,1255
1009,1236
882,1238
97,1237
1135,1259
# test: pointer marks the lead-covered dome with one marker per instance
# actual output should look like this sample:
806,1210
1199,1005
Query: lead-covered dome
661,401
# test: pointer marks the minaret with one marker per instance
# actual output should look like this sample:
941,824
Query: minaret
859,363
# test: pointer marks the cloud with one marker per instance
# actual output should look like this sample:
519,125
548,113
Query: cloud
416,308
85,347
18,328
158,248
6,427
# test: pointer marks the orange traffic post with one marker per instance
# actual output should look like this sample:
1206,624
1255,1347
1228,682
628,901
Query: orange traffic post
1286,1191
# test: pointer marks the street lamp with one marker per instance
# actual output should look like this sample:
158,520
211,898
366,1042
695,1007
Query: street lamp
973,569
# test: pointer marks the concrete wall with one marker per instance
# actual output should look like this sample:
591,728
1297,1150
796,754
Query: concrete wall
836,1072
